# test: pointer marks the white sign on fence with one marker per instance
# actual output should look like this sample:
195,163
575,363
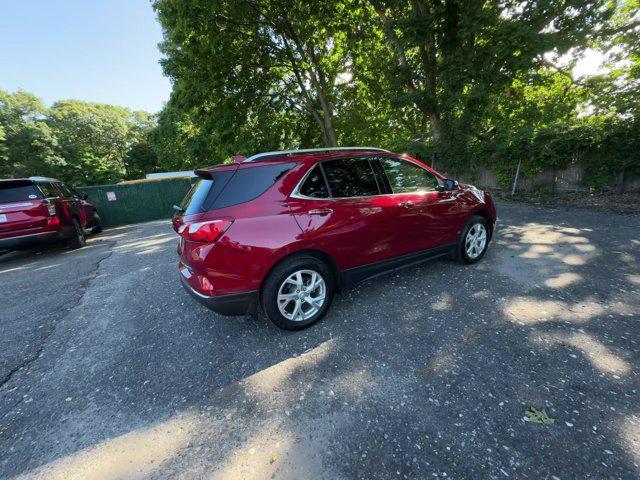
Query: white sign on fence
111,196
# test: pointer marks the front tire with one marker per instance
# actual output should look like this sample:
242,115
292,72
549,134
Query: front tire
474,240
298,292
78,240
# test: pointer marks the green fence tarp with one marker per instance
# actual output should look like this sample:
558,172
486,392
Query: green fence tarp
137,202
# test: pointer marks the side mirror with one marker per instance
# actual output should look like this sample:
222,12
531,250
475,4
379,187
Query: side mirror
450,184
84,195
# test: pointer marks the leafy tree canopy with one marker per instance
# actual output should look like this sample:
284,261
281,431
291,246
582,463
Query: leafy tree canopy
80,142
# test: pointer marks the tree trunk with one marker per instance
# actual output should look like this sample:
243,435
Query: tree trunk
436,123
327,117
329,132
316,76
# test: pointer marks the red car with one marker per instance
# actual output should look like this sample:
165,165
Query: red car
286,230
39,210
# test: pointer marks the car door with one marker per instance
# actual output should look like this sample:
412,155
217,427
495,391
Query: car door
72,204
339,207
426,217
85,208
54,197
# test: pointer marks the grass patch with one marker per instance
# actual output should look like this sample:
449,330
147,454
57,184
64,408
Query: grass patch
538,416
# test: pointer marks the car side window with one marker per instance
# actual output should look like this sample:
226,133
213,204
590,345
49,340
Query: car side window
407,177
66,191
314,185
48,190
350,177
246,184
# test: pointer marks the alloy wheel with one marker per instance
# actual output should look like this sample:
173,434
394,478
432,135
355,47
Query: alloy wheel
475,241
301,295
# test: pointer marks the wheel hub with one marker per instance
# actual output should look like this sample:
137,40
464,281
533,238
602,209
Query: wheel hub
301,295
475,241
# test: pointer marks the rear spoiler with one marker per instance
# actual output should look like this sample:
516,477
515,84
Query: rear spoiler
207,173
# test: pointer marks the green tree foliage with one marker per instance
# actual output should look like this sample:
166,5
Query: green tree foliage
80,142
453,57
260,75
27,142
466,84
473,83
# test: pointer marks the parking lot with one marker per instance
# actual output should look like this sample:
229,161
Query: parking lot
109,369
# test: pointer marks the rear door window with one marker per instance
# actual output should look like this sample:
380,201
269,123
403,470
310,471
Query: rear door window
48,190
18,191
314,185
66,191
350,177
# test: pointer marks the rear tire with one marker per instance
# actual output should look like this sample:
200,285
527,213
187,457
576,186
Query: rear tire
298,292
98,228
78,240
474,240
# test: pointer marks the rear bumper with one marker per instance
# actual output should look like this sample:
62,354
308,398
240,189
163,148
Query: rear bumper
244,303
30,240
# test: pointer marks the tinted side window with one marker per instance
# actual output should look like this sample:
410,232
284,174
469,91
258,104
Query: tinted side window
314,185
352,177
407,177
248,183
66,191
48,190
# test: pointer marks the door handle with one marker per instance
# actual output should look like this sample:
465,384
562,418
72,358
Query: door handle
407,204
321,211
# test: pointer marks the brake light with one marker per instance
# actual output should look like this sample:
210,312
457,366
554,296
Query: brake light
208,231
52,220
177,223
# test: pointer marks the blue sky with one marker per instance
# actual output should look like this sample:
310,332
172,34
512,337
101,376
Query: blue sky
93,50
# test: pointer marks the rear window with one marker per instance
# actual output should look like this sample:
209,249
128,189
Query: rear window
194,200
18,191
351,177
232,187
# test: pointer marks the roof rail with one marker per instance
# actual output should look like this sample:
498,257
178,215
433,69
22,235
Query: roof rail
284,153
38,178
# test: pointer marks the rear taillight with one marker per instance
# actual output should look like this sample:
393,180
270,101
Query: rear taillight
52,220
208,231
177,222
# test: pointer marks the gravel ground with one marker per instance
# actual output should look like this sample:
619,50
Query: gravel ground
108,369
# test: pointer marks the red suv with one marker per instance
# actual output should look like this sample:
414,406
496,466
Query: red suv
286,230
39,210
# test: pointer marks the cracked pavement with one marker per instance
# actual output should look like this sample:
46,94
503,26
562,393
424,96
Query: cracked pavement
110,370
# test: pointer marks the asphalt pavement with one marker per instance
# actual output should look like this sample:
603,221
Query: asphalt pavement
525,365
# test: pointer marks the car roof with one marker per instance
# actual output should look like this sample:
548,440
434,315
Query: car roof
310,151
290,156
